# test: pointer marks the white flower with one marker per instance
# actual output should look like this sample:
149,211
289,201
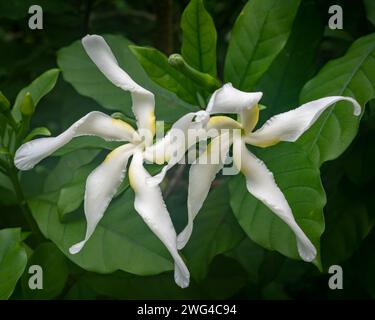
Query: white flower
288,126
103,182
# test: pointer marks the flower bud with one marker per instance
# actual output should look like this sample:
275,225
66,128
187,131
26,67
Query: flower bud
27,105
202,79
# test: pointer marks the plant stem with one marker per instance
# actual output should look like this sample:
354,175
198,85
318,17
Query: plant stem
23,205
86,17
11,120
164,26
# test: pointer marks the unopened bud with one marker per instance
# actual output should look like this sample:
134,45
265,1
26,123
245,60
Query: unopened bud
27,105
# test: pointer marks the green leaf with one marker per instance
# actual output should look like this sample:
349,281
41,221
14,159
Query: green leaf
299,180
13,260
296,63
199,38
80,291
159,70
81,72
259,34
66,168
215,231
71,194
370,10
351,75
348,222
250,256
40,131
7,195
55,272
86,142
38,89
122,241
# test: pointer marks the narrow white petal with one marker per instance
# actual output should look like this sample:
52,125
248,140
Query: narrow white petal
101,186
289,126
143,100
176,142
231,100
150,205
261,184
94,123
202,173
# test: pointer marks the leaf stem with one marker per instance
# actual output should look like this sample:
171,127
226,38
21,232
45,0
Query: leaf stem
164,26
11,120
13,176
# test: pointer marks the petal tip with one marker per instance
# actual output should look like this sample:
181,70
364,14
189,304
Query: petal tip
184,236
23,159
307,251
74,249
181,277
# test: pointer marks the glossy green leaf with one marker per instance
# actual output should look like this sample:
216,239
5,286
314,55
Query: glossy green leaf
13,260
38,89
259,34
40,131
80,291
199,38
351,75
215,231
158,69
370,10
296,63
250,256
71,194
299,180
86,142
348,222
122,241
7,196
55,272
81,72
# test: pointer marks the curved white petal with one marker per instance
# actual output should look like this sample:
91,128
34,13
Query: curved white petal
176,142
101,186
202,173
261,184
94,123
289,126
231,100
150,205
143,100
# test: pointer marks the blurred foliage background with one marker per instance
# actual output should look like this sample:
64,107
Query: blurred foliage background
246,271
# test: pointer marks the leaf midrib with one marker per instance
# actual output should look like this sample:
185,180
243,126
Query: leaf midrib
250,60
